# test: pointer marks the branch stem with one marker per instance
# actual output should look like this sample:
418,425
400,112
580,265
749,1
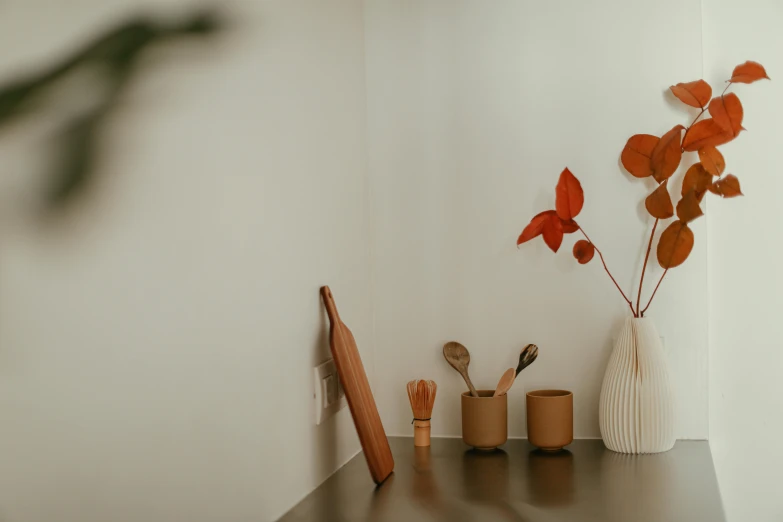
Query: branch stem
703,110
644,267
641,314
630,304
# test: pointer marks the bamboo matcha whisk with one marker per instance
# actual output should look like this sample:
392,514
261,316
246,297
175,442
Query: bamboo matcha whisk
422,396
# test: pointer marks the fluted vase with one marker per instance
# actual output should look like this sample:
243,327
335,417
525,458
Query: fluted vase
636,411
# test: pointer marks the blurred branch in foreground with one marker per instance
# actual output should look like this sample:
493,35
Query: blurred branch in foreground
115,55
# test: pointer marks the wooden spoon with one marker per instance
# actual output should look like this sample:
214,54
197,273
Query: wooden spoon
527,356
505,382
459,359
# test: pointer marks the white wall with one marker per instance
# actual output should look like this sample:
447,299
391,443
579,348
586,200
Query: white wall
472,113
157,344
746,389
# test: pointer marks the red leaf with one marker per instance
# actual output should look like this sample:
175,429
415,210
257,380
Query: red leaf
667,154
712,160
637,154
727,112
728,187
748,72
688,208
659,203
705,133
583,251
697,179
696,94
553,232
535,227
569,196
569,226
675,245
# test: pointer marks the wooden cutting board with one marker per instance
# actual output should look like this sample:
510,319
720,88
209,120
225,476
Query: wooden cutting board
359,395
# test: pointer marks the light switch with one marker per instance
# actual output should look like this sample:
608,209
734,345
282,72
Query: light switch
328,392
325,392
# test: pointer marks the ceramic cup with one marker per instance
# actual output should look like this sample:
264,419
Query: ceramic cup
550,419
484,420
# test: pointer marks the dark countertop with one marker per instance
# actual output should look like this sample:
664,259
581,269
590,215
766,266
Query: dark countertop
450,482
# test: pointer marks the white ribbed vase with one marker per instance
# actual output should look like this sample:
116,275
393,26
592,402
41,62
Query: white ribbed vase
636,411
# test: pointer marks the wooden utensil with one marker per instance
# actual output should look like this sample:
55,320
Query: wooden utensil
527,356
421,393
505,383
359,395
459,359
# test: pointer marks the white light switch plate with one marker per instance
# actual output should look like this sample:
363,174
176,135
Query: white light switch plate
328,391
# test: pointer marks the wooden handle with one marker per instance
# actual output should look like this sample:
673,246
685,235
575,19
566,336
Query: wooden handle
473,392
331,307
421,433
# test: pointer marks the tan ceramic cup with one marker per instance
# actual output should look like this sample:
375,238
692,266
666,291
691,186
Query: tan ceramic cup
550,419
484,419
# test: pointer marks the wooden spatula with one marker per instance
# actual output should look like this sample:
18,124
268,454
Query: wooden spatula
359,395
505,383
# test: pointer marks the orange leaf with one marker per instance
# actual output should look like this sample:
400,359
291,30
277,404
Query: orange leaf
637,154
583,251
569,226
748,72
569,196
688,208
728,187
727,112
697,179
667,154
659,203
705,133
675,245
535,227
553,232
696,94
712,160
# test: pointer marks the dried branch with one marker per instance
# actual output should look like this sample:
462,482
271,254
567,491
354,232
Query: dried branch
608,272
